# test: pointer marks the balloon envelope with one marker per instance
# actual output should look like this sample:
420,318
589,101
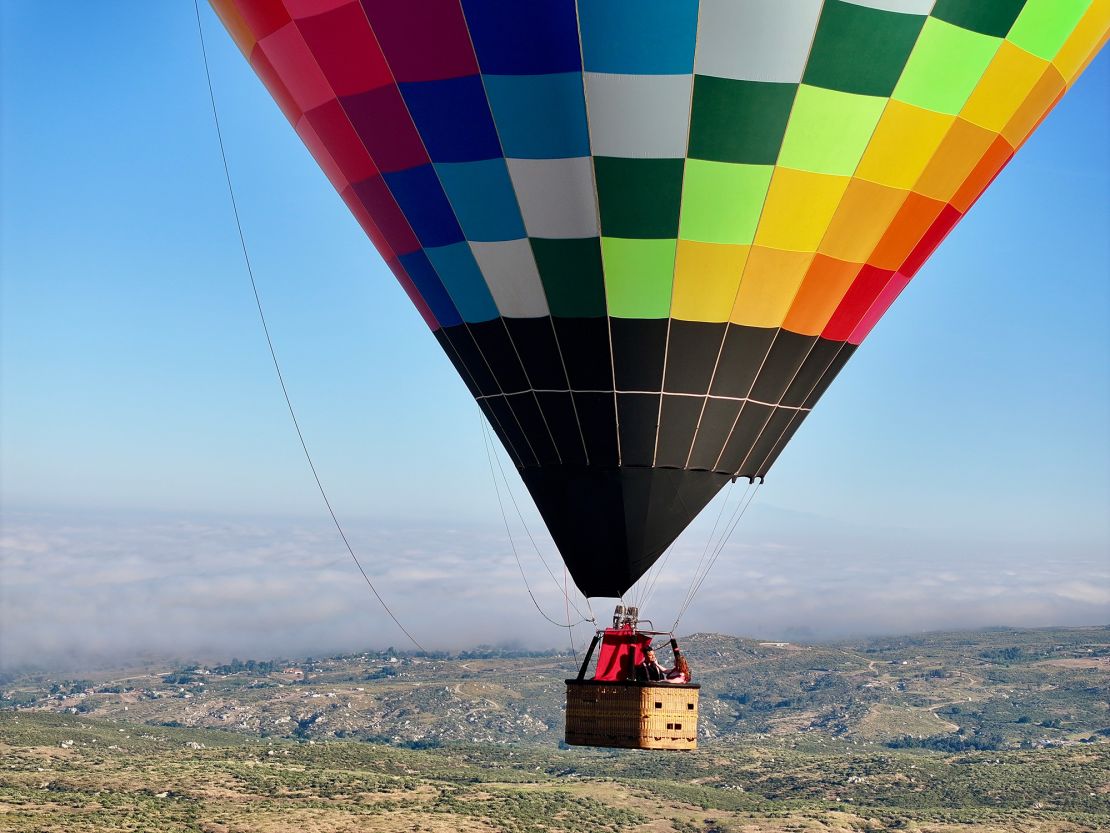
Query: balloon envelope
649,233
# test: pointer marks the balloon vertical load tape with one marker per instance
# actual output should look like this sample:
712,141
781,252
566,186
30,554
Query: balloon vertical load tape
648,236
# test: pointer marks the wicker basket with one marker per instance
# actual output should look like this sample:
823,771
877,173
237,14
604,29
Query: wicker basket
632,715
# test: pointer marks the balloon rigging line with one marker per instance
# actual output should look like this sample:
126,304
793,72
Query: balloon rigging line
523,523
270,344
570,629
492,448
734,521
713,532
709,540
674,266
653,582
590,608
743,508
711,544
486,442
730,526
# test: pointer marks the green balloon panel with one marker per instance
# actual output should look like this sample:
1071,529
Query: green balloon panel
649,233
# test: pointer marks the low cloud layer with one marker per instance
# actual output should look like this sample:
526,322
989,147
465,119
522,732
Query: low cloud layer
75,592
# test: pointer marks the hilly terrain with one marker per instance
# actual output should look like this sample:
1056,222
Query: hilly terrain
991,730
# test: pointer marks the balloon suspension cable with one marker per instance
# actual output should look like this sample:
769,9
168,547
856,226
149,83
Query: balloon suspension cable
487,442
658,568
713,540
570,628
652,583
590,608
734,521
270,344
491,450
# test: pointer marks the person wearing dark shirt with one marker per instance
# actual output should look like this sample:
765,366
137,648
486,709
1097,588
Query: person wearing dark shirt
651,671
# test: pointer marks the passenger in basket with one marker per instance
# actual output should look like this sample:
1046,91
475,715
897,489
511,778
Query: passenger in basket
681,671
651,671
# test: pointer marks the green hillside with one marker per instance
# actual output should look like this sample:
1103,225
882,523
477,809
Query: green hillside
998,730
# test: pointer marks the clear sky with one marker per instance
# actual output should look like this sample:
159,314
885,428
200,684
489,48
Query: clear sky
958,472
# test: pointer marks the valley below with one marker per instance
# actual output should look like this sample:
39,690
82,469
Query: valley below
993,730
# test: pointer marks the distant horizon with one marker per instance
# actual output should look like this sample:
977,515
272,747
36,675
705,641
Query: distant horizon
107,664
173,583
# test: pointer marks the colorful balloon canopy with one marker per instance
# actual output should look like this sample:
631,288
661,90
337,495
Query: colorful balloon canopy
649,233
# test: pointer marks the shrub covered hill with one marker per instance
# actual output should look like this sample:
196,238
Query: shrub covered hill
950,691
1006,730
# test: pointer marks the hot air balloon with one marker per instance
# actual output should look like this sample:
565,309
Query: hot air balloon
649,233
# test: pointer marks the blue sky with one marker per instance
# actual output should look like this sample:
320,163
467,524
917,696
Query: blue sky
135,384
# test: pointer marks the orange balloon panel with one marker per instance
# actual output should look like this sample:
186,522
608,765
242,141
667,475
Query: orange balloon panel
649,234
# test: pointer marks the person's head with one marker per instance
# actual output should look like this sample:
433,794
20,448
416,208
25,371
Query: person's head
649,653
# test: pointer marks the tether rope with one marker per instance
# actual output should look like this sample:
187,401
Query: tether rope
270,343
